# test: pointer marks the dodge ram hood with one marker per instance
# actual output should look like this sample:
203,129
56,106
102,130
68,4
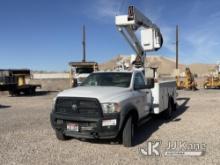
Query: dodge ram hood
103,94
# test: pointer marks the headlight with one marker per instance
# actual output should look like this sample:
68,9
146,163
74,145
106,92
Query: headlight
110,107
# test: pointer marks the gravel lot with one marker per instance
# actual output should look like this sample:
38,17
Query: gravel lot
26,136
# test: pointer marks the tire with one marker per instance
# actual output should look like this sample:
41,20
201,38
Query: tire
128,133
61,136
167,114
32,91
14,93
11,93
174,107
205,86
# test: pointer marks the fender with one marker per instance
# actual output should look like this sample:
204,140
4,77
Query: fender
124,114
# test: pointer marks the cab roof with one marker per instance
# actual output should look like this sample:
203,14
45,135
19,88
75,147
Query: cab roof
89,63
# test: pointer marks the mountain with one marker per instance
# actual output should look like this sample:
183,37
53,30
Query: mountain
165,65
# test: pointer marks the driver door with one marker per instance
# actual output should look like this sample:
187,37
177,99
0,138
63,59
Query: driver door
141,95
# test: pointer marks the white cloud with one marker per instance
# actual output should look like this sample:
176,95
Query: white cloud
154,13
202,37
215,15
103,10
204,44
169,37
107,8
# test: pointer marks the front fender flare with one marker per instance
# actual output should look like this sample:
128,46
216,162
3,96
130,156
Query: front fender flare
125,111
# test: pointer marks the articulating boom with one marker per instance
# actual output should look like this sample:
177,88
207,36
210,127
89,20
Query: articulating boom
151,37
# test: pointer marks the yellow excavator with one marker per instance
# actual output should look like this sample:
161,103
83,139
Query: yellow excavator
188,82
213,81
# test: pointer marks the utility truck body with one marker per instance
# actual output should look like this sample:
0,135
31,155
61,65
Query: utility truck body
110,104
161,92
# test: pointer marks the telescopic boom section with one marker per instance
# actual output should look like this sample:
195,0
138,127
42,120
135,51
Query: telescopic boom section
151,37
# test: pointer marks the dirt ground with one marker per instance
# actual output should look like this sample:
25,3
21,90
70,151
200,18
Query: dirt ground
52,84
26,136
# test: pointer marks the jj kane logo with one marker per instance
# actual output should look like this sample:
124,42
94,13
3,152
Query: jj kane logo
152,148
173,148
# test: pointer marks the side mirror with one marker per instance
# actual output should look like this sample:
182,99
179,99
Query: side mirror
150,83
140,87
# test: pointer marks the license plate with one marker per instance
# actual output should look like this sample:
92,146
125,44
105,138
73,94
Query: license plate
73,127
112,122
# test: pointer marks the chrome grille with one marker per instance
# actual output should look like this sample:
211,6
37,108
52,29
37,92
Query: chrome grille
82,107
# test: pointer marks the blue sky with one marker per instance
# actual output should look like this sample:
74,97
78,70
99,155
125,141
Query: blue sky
46,34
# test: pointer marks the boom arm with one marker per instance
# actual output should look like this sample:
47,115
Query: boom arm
151,37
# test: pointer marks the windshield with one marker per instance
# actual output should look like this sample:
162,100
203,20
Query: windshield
108,79
84,70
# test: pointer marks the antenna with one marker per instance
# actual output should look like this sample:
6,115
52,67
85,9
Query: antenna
177,47
84,44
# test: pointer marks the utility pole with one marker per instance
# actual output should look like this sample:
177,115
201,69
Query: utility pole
177,46
84,44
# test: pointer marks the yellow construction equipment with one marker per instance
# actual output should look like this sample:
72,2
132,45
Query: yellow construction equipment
188,82
213,81
14,81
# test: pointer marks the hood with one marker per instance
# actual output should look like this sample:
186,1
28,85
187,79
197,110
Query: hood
103,94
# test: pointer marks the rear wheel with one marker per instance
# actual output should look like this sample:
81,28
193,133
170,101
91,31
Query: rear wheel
32,91
61,136
128,132
14,93
11,93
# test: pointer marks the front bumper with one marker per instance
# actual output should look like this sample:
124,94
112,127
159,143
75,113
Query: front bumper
89,128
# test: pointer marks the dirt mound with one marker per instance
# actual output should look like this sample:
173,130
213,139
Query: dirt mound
165,65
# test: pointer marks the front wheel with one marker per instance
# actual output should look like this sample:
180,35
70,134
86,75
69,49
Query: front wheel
128,133
61,136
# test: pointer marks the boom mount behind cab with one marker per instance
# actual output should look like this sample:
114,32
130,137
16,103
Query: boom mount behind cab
151,37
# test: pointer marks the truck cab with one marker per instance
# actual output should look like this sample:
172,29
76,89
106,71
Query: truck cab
80,70
106,105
